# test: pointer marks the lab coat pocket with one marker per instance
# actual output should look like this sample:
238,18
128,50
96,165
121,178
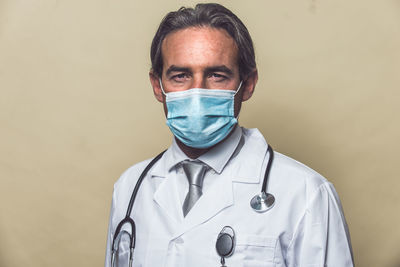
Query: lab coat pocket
256,250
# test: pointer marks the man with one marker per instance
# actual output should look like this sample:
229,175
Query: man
203,67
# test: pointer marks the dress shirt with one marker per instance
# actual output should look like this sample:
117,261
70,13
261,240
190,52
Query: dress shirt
216,159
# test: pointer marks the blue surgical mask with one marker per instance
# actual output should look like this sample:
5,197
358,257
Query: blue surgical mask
201,118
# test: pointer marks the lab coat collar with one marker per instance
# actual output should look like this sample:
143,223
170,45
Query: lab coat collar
250,150
248,166
250,163
216,158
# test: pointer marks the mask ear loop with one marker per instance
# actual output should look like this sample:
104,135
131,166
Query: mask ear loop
162,88
238,89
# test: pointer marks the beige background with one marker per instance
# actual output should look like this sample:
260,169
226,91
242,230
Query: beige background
76,110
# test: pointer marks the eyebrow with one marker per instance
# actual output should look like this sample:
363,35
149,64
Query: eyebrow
220,68
174,68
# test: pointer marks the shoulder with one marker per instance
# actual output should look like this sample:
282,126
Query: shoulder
131,175
303,182
281,162
294,168
286,171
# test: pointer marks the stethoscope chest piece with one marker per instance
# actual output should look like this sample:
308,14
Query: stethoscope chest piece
262,202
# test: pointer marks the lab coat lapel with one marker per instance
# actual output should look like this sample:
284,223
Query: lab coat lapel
213,201
167,198
245,168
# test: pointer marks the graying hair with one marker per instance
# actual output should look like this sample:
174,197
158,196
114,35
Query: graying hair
211,15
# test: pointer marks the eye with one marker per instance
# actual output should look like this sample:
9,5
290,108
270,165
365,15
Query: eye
217,77
180,77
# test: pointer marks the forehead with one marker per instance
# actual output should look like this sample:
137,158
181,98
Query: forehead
199,46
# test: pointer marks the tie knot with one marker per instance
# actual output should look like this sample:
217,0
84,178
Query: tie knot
194,171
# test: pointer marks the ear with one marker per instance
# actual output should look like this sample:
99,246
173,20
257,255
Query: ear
249,85
155,83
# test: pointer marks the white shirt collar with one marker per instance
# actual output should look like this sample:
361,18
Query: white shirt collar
246,164
216,158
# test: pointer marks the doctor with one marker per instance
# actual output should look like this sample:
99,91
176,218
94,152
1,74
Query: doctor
203,67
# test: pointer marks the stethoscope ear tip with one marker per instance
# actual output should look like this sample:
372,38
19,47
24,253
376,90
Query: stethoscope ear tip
262,202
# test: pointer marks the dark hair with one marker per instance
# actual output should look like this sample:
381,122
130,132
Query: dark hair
211,15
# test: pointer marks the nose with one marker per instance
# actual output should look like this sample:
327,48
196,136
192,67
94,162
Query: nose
199,82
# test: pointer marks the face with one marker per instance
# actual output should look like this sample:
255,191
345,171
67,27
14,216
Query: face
201,57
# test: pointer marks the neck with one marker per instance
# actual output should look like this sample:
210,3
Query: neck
193,152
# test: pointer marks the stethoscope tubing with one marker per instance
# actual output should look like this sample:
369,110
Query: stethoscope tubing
139,182
127,218
267,171
131,222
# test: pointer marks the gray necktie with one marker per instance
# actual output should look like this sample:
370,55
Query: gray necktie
195,174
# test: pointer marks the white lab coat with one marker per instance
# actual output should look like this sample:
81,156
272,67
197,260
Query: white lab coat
306,227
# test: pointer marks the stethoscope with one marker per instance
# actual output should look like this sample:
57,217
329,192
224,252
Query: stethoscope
226,239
